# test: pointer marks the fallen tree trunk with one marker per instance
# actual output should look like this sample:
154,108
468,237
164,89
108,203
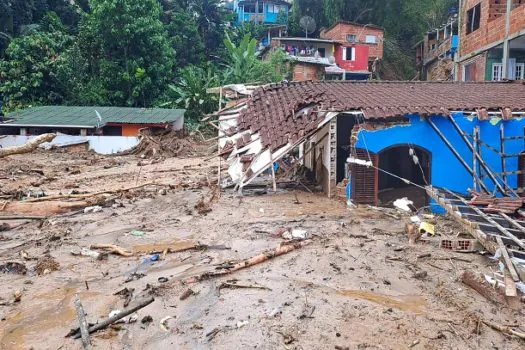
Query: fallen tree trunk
88,195
29,146
50,208
269,254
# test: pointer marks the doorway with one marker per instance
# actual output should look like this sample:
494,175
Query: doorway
407,162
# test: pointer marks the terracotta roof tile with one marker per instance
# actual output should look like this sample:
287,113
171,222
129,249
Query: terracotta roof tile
274,110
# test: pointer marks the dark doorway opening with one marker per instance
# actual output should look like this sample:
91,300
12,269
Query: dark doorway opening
521,176
345,125
410,163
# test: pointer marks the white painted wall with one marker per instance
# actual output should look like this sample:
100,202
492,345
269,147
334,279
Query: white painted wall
99,144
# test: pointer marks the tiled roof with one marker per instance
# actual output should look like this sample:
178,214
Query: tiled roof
287,111
86,116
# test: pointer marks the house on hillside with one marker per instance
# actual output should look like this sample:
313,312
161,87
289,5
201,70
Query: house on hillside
106,129
436,53
492,40
490,45
273,14
345,51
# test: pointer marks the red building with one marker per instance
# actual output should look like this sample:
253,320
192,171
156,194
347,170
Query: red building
358,46
345,51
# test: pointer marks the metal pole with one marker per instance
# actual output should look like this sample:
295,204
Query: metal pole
474,159
502,147
481,161
458,156
506,46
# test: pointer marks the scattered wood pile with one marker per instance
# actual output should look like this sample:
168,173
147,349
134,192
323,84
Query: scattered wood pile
491,204
156,143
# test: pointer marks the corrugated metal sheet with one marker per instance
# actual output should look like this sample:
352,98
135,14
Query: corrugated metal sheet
86,116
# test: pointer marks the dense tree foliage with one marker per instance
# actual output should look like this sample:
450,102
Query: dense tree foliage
29,74
168,52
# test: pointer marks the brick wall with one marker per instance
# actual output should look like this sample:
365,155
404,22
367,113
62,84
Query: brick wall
492,23
306,71
480,63
340,31
440,70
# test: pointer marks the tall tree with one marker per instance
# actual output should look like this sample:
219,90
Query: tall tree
28,73
126,53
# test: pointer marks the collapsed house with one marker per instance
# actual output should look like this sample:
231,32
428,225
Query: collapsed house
373,142
423,132
103,129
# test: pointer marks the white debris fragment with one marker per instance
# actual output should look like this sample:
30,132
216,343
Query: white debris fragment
403,204
93,209
415,219
353,160
296,234
241,324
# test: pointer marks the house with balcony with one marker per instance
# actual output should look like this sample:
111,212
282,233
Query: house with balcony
345,51
435,54
261,11
358,48
492,40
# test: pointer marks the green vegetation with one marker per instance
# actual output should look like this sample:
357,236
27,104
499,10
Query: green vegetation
148,53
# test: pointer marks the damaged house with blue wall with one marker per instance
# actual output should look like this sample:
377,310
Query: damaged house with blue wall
436,143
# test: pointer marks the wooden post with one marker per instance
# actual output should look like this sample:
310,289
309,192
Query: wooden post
502,229
481,160
506,257
273,173
502,148
475,160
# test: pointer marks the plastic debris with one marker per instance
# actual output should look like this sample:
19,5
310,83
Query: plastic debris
164,323
366,163
296,234
241,324
137,233
133,318
426,228
403,204
93,209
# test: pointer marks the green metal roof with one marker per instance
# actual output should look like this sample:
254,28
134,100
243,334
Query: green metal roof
67,116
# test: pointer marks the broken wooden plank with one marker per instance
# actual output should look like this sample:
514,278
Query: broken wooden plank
508,262
510,286
84,327
492,221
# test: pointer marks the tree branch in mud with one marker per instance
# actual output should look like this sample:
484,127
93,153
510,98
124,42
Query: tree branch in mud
29,146
84,332
118,316
283,249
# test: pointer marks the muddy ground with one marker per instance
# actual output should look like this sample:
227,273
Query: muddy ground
343,290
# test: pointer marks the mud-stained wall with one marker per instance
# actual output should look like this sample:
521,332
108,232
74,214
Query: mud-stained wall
446,169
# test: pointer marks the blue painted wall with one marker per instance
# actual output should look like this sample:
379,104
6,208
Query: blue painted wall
446,170
269,17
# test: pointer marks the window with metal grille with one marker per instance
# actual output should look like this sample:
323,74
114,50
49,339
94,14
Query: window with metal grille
520,68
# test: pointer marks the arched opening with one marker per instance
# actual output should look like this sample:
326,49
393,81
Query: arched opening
408,162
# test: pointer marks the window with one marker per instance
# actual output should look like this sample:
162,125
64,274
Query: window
370,39
251,8
274,8
469,72
497,71
515,70
351,38
473,17
520,68
349,54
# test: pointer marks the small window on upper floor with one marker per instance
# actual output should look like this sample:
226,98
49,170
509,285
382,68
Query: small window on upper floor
351,38
349,54
371,39
473,18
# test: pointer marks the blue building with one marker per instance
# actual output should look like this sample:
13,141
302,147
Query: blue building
261,11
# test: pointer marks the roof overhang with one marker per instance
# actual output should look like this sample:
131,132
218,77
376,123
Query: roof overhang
47,126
